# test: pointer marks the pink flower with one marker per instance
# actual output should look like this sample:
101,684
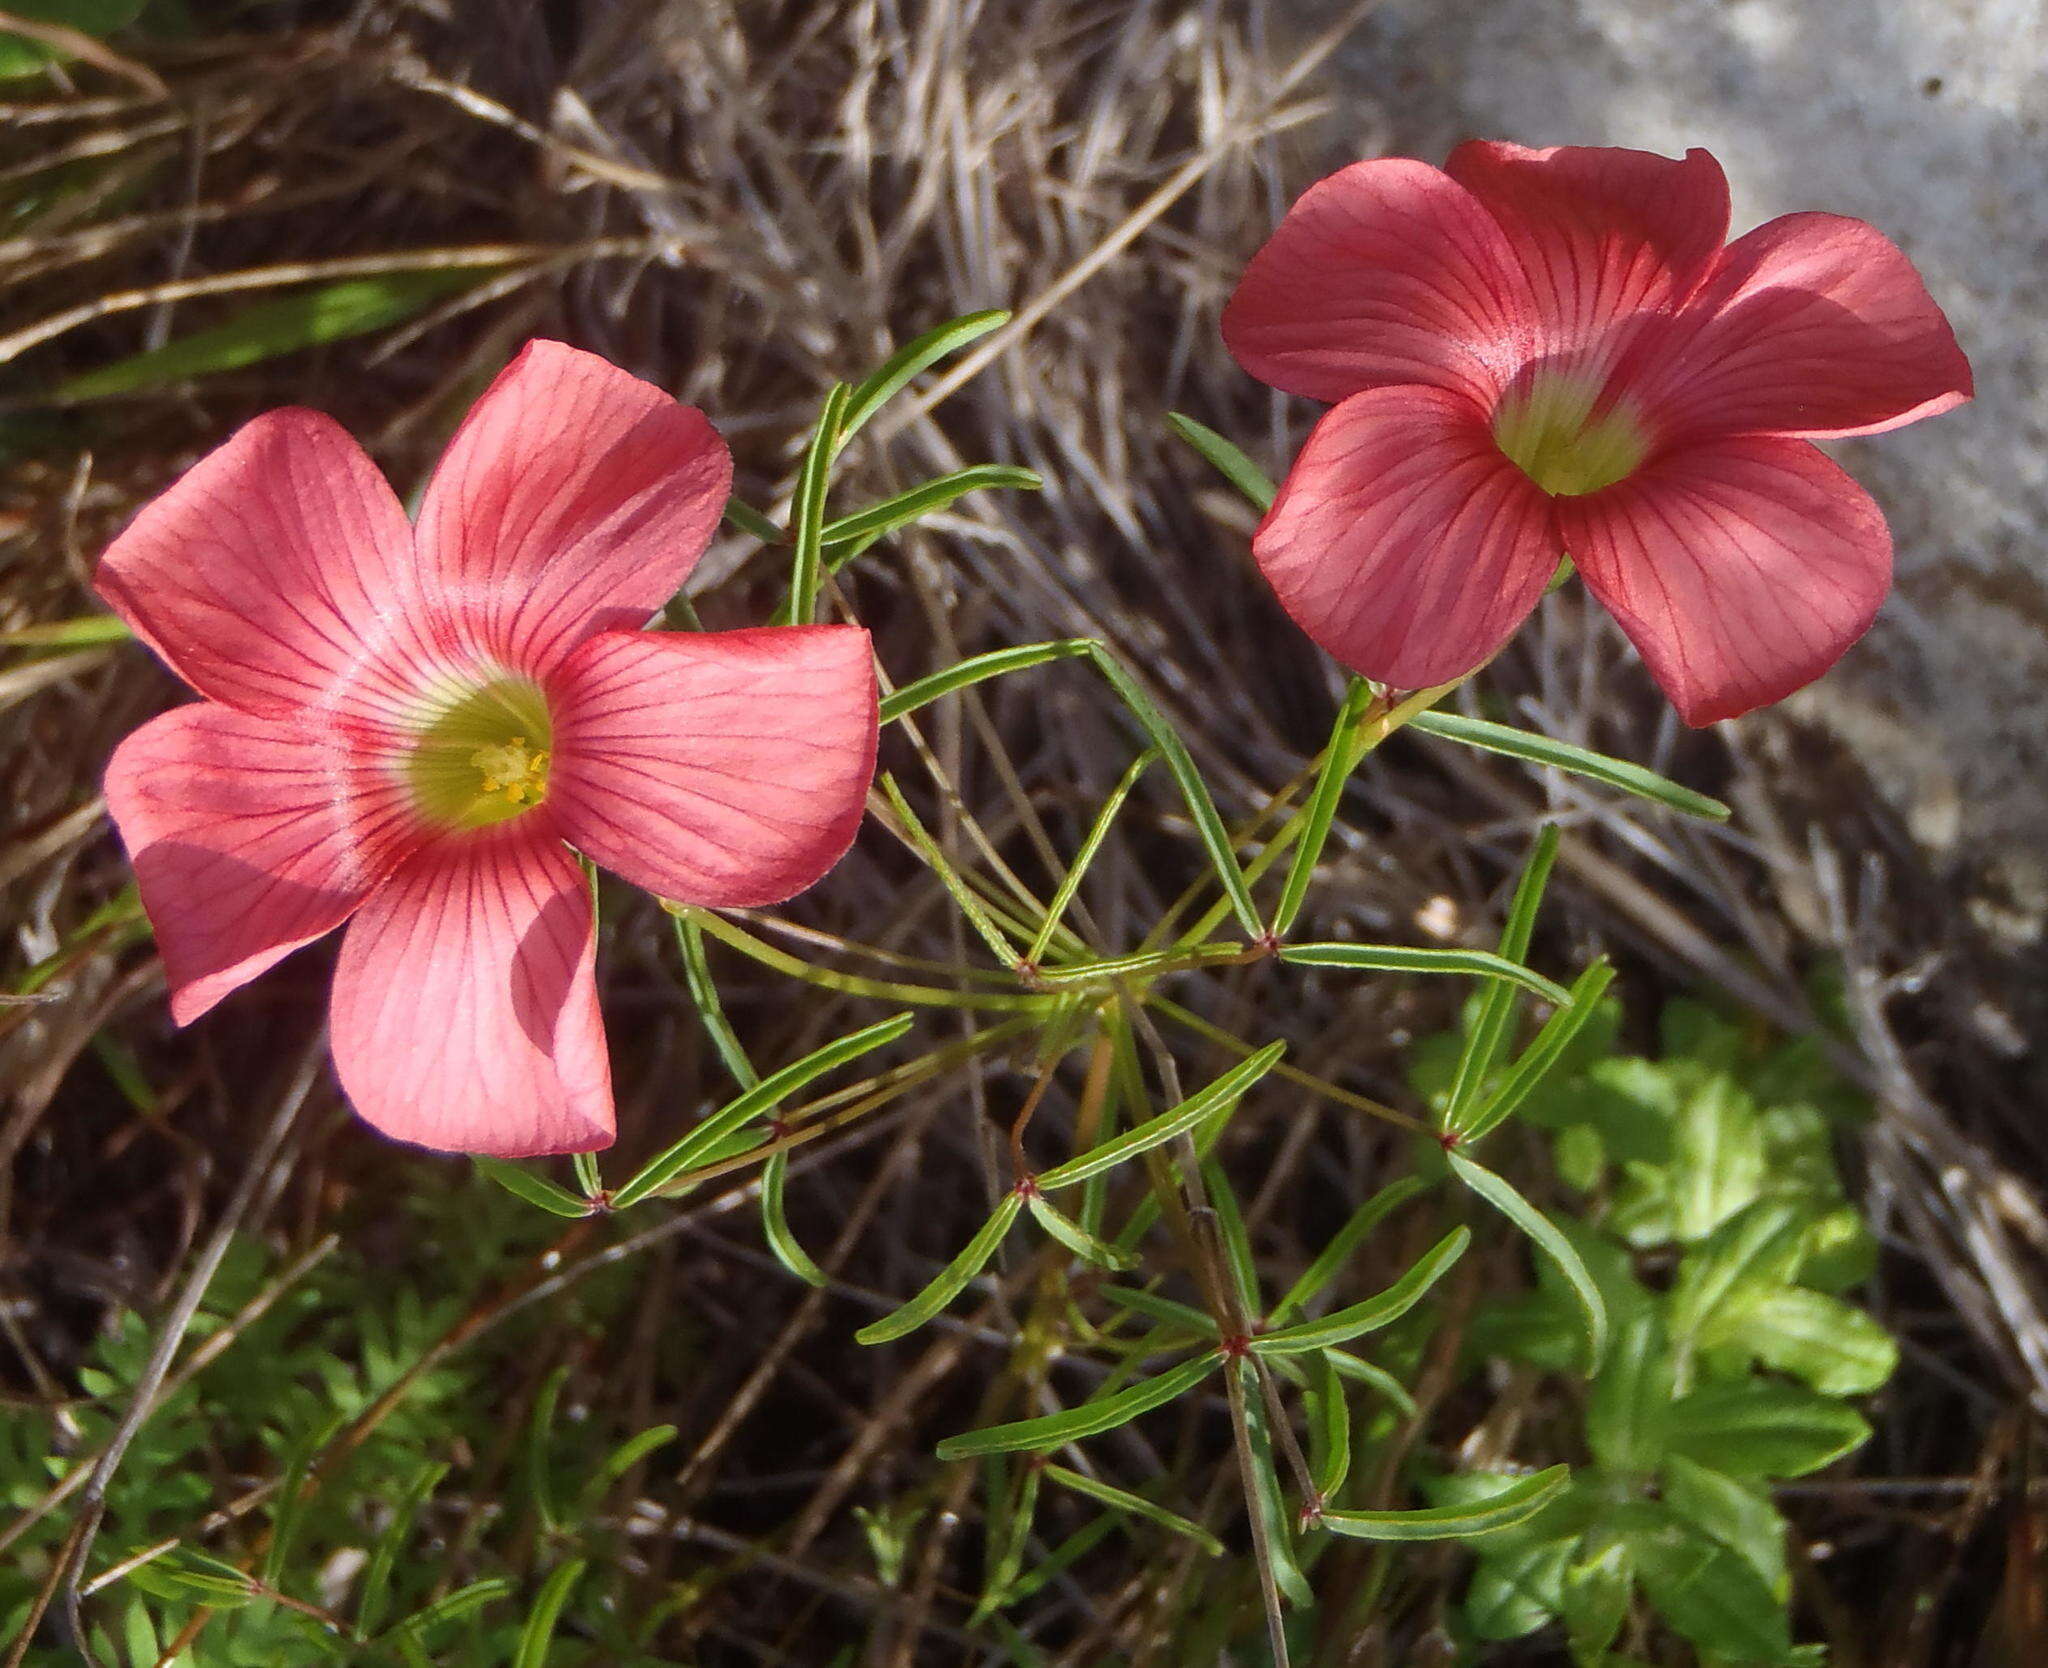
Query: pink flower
1537,352
406,727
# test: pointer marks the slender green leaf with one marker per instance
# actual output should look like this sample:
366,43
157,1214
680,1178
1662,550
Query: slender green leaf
285,324
1343,1245
1209,827
878,520
535,1190
1134,1505
375,1591
539,1632
1226,459
752,1103
1399,958
1009,1536
949,877
1738,1515
1076,1238
1360,1371
911,360
1322,805
1089,1419
1553,1245
1540,1058
1497,1006
1329,1429
1391,1304
775,1227
1580,761
1708,1593
710,1010
975,669
1162,1309
1085,855
1233,1237
1274,1544
85,632
807,516
1225,1091
621,1460
751,521
451,1607
1513,1505
950,1281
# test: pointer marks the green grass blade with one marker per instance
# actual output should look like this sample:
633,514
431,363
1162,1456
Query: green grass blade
911,360
1223,1092
1342,1325
1401,958
535,1190
1579,761
1322,805
975,669
1134,1505
1548,1239
950,1281
1541,1055
878,520
1104,1413
88,631
1513,1505
751,1103
1225,459
539,1632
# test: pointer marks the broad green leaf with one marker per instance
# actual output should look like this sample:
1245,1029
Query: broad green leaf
1222,1093
909,361
1519,1588
1707,1593
1599,1582
891,513
1399,958
1343,1245
1755,1428
1738,1515
1754,1250
1134,1505
950,1280
752,1103
1720,1163
539,1631
1540,1058
1344,1324
1553,1244
1836,1348
788,1250
1513,1505
535,1190
975,669
1580,761
1091,1418
284,324
1226,459
1076,1238
1630,1399
1489,1031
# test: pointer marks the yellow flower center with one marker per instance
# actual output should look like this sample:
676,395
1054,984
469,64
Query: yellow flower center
483,758
1551,431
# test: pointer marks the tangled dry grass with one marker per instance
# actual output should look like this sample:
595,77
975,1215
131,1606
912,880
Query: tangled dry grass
746,200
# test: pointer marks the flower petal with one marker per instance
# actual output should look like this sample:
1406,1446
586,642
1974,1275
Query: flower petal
249,838
1603,233
574,499
1403,541
1741,569
275,575
1385,273
1812,325
465,1004
722,768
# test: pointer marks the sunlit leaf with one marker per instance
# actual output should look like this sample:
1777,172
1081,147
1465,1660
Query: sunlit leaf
950,1280
1513,1505
1580,761
1222,1093
1089,1419
1344,1324
1401,958
1552,1243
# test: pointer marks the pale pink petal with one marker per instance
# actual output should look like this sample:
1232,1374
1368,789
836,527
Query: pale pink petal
1403,542
722,768
465,1004
249,837
1812,325
1742,569
574,499
1387,272
1603,233
276,575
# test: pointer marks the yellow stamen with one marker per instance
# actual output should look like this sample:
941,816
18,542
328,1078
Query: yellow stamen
475,761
